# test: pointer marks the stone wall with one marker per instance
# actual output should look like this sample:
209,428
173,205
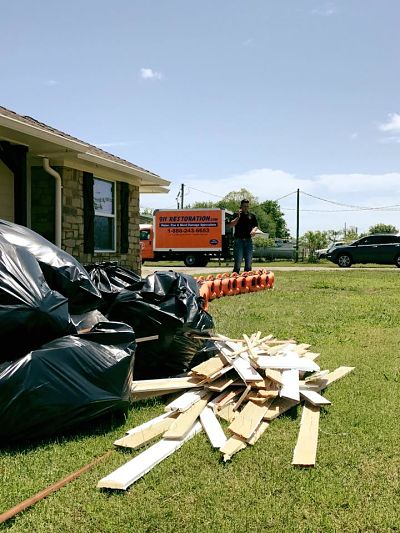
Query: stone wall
73,235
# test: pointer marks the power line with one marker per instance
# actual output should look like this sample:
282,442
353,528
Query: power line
337,210
286,195
355,207
204,192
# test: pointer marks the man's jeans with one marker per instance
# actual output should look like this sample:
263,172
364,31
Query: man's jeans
242,248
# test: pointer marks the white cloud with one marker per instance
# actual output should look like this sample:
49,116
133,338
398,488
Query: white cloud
326,11
354,135
392,124
248,42
150,74
51,83
390,140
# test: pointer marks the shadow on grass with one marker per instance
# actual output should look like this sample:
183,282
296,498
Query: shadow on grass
85,429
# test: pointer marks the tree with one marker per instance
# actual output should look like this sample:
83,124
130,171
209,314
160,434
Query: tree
276,218
269,215
202,205
312,241
383,228
231,201
146,211
351,233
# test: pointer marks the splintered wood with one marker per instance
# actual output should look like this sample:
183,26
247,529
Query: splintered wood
249,383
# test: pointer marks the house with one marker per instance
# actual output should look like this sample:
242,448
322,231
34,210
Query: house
79,197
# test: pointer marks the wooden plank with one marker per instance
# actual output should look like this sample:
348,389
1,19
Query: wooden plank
147,385
181,425
314,398
212,427
258,433
251,346
272,342
290,385
221,384
317,376
242,397
136,440
281,405
185,401
278,407
218,374
149,423
279,348
305,452
259,400
232,446
228,412
265,384
264,393
209,367
311,355
224,398
245,370
287,362
134,397
275,375
134,469
232,352
146,339
302,346
248,420
339,373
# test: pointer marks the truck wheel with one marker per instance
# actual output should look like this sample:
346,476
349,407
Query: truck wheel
397,261
191,260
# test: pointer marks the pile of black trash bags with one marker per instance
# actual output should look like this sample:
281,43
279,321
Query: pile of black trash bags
68,349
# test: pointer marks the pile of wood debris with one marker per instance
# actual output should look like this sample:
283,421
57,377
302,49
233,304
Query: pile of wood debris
249,383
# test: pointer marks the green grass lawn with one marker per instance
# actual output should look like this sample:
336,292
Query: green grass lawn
352,318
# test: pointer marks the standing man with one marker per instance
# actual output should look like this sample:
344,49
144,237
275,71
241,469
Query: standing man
245,225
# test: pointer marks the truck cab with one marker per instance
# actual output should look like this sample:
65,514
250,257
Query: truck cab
146,242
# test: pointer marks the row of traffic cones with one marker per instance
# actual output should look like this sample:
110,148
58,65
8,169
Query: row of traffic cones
231,284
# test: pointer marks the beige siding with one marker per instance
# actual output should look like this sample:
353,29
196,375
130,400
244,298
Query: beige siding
6,193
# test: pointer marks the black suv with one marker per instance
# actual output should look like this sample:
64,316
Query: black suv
377,248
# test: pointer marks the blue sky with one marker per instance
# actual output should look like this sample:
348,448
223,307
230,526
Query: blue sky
263,94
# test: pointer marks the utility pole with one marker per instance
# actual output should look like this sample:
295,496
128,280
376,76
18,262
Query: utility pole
182,194
297,226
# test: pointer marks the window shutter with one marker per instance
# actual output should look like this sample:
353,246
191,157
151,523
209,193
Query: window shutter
88,213
124,200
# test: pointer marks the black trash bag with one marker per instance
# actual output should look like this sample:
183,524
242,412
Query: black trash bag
62,272
85,321
115,333
207,350
110,279
66,382
31,314
167,306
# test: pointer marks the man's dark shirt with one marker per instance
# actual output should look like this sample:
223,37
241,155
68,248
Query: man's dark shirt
244,226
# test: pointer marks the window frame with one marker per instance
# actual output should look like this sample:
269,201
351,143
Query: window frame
107,215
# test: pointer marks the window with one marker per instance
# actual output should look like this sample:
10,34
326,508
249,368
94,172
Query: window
144,234
104,215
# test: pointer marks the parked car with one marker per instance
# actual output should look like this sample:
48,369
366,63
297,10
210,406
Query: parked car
281,249
378,248
323,251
